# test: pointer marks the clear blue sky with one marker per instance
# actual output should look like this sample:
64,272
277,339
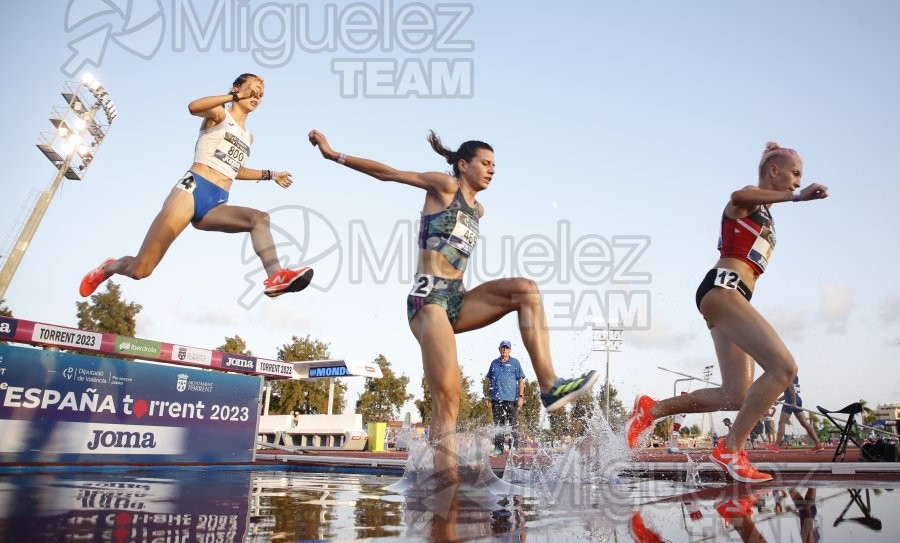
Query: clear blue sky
613,123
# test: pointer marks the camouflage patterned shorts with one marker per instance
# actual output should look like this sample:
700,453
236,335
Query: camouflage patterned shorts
428,289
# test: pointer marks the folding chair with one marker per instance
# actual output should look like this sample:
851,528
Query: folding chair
867,519
848,429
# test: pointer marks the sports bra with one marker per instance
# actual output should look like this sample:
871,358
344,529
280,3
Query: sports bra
224,147
750,239
453,231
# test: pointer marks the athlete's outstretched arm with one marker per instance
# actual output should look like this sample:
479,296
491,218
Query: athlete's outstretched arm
754,196
430,181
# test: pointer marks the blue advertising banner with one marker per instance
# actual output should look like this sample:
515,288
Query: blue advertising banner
69,408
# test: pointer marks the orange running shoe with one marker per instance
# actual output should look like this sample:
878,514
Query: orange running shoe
94,278
738,506
288,280
640,532
817,448
640,419
737,465
772,447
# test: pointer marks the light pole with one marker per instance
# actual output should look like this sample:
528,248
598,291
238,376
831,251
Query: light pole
707,374
70,148
607,337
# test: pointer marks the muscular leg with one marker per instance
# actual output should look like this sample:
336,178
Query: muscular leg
432,329
737,321
237,219
737,376
169,223
782,423
804,422
490,301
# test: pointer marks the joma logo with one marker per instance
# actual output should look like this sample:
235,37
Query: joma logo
126,440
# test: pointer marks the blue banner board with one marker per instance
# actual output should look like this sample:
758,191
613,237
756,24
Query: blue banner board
69,408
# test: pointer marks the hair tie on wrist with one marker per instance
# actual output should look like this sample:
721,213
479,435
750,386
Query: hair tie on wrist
341,159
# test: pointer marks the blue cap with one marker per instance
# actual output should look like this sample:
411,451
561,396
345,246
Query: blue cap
506,344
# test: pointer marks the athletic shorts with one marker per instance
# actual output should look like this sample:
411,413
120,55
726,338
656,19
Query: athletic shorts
722,278
207,194
428,289
795,400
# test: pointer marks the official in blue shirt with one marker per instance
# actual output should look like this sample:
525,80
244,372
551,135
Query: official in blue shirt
506,394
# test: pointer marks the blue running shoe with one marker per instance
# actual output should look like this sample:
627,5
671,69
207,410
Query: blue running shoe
567,390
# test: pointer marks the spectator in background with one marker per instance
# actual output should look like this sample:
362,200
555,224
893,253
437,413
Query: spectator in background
505,394
793,405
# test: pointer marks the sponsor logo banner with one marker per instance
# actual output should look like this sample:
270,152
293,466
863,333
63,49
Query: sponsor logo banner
137,347
270,367
90,409
328,371
87,438
66,337
240,362
8,327
181,353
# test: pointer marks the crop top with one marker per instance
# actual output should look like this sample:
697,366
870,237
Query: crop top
750,239
452,232
224,147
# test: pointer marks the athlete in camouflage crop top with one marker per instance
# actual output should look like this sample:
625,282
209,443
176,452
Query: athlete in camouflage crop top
452,232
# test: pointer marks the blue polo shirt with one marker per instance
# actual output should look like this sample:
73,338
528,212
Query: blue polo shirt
504,378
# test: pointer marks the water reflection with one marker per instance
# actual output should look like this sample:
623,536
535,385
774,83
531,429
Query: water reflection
233,505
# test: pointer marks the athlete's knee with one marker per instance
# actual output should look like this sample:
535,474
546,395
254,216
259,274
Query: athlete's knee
784,370
259,218
525,291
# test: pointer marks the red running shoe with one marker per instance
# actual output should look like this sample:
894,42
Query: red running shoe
817,448
772,447
640,419
288,280
640,532
737,465
94,278
739,506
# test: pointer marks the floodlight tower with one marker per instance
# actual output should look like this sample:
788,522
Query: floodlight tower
71,148
607,337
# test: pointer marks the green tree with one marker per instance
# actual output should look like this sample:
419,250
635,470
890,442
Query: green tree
529,416
580,414
108,312
663,428
235,345
695,430
382,399
423,406
308,396
473,410
868,415
617,414
559,425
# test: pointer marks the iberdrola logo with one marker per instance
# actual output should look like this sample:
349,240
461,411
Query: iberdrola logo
137,26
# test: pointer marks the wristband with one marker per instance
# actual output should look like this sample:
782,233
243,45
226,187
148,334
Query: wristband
234,96
341,159
795,197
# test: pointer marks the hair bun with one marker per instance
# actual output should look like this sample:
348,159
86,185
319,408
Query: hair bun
771,146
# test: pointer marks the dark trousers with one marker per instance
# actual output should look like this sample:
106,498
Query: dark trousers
504,412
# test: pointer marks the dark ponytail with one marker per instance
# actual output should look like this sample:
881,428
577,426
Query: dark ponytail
465,152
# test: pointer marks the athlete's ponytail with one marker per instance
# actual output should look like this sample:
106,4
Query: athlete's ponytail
465,152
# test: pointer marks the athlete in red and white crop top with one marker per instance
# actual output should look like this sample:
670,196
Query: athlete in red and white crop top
750,239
